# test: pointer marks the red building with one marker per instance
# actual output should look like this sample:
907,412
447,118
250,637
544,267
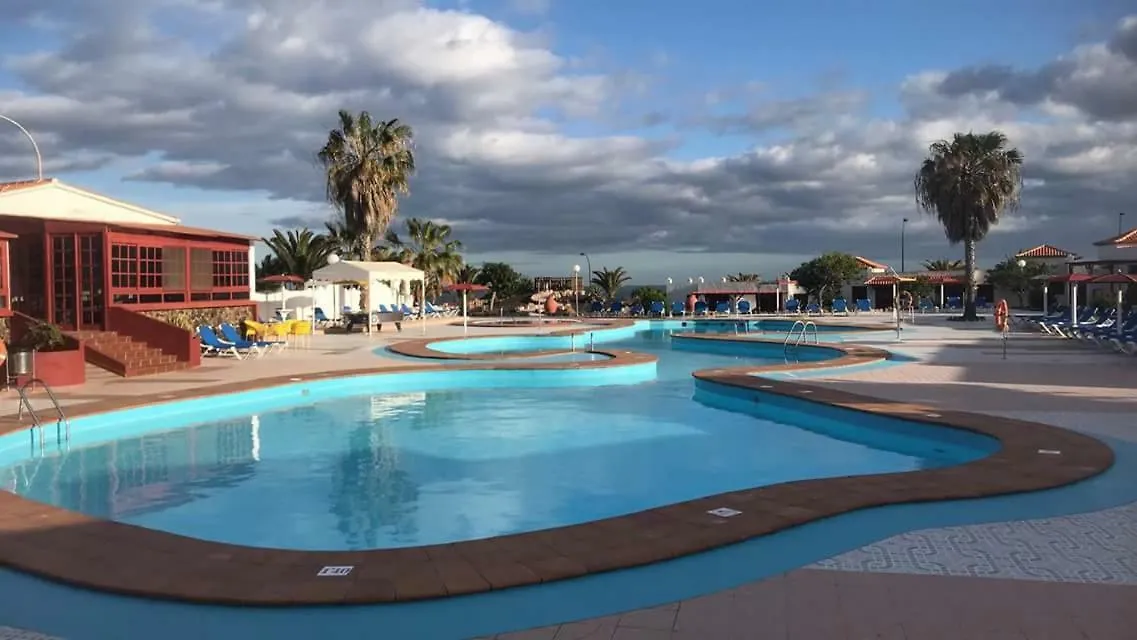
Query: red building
110,273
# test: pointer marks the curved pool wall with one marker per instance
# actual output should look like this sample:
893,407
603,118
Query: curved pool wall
14,447
510,344
77,614
604,334
876,431
755,349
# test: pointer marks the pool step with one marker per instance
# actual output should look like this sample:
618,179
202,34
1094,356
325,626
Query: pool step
123,356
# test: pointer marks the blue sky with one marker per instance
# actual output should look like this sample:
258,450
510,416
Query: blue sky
746,54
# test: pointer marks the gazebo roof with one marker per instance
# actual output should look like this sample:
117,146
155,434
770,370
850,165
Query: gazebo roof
366,271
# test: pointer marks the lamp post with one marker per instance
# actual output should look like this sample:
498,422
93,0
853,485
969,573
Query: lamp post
588,262
903,226
667,295
35,147
1120,222
576,288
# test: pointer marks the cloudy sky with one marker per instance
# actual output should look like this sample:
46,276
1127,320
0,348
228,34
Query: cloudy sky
673,138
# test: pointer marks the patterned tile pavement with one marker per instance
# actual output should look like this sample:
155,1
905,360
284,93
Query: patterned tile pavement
12,633
1098,547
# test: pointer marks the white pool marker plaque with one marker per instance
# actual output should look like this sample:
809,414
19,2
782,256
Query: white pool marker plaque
724,512
335,572
1050,452
766,386
295,379
806,391
932,415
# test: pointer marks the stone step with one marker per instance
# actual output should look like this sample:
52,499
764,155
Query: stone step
155,369
151,360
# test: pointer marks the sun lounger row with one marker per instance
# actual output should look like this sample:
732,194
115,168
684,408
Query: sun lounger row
226,340
1094,325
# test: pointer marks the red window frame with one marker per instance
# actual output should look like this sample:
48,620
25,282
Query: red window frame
5,280
144,272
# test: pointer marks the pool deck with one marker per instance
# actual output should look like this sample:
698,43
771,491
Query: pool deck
857,595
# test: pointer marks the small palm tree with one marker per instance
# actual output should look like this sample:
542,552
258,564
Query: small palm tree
943,264
744,277
468,274
610,280
428,247
967,183
345,242
367,166
299,251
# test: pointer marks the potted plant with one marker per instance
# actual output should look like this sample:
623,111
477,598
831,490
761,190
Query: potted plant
55,361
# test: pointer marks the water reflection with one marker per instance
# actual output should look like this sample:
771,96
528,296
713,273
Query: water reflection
143,474
370,494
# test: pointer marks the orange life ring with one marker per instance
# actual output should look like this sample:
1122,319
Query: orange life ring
3,352
1002,314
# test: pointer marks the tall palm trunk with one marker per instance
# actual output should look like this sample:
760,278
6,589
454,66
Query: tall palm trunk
972,286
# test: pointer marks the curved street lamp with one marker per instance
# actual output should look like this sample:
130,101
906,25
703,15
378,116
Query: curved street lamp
35,147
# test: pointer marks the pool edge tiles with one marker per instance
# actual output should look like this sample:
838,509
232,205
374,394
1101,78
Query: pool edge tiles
115,557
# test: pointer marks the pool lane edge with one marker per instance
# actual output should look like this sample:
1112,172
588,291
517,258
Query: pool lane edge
72,548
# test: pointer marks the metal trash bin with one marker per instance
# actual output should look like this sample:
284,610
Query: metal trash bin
21,363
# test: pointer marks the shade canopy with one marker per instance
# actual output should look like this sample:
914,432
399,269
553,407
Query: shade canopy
466,286
371,275
882,281
282,279
1116,278
1070,277
361,271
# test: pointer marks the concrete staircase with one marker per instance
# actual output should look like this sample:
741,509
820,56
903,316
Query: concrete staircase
123,356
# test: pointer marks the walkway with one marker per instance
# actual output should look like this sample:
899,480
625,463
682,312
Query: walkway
1064,578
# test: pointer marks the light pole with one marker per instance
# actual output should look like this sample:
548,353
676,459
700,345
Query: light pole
588,262
576,288
667,295
1120,222
35,147
903,226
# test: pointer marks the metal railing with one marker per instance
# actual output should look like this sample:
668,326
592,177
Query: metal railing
798,334
62,424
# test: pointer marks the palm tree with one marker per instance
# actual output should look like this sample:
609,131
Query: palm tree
428,248
269,265
744,277
345,242
468,274
300,252
610,280
943,264
367,166
967,183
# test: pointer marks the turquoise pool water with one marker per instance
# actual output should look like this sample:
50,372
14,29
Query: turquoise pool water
770,329
396,461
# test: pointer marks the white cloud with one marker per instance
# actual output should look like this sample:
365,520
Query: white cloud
492,108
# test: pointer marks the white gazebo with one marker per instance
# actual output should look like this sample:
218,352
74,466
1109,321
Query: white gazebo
372,274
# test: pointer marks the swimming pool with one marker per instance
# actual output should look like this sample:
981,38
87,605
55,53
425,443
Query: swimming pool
768,328
452,455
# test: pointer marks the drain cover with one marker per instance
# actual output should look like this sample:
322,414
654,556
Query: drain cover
334,572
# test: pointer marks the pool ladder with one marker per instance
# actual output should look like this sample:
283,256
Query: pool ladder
62,424
798,334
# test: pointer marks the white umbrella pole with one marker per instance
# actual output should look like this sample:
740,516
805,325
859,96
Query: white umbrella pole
465,314
422,307
1117,319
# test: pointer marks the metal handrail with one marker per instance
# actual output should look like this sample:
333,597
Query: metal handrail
790,334
805,332
61,422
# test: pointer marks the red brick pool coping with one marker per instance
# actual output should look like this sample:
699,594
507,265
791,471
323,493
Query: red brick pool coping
73,548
